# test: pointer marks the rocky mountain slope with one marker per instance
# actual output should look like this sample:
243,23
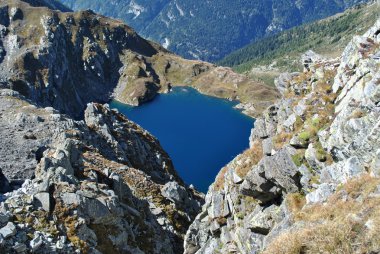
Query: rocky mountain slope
209,30
102,184
309,183
67,60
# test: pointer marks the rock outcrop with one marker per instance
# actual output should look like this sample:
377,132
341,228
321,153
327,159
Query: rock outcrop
309,182
100,184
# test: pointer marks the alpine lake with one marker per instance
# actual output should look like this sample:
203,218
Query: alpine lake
200,133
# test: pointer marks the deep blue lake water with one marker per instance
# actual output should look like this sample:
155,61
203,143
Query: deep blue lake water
200,133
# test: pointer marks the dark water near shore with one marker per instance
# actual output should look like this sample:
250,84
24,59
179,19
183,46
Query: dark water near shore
200,133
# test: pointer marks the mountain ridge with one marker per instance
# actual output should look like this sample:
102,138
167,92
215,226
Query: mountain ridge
200,30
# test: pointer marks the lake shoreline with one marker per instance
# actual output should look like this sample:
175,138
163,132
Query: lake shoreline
201,133
247,109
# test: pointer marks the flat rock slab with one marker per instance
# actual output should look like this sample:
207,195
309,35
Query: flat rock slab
8,230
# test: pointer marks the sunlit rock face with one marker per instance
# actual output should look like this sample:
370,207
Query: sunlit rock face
312,170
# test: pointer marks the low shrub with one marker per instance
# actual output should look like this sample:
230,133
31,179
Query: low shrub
298,159
305,136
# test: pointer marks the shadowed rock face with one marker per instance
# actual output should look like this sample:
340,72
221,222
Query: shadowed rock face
4,183
313,161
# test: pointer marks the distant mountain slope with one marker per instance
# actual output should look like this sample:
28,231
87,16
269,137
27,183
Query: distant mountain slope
282,51
209,30
137,13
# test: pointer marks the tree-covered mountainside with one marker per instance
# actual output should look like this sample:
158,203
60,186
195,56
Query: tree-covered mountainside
281,52
210,30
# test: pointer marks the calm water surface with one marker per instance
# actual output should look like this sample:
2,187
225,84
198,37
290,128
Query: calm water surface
200,133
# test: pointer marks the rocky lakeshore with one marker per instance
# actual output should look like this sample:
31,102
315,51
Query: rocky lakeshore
309,183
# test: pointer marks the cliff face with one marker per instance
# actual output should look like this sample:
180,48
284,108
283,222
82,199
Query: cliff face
309,182
66,60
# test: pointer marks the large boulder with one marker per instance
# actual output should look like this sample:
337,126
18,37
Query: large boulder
342,171
265,126
174,192
275,175
42,200
180,196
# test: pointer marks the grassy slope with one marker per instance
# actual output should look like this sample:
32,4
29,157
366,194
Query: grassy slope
282,52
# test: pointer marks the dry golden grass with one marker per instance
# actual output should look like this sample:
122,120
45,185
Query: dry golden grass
219,181
253,156
295,202
339,226
357,113
246,161
305,76
281,139
66,218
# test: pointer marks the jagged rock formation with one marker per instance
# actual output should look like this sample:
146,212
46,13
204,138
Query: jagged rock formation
102,184
309,183
66,60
